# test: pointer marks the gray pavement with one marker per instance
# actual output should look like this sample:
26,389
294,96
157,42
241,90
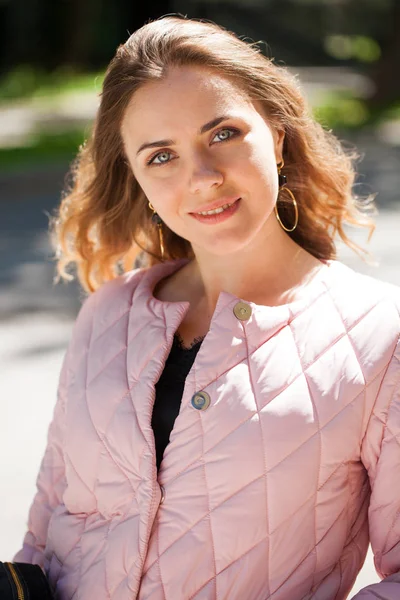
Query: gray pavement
35,326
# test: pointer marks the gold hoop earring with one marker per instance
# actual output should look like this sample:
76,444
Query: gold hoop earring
282,184
158,221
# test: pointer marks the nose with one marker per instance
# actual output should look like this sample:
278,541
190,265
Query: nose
205,175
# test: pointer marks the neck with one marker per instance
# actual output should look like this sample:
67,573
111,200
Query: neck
271,273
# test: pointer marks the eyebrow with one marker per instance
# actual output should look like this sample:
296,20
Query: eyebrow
207,127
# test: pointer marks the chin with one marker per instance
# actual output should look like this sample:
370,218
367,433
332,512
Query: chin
223,245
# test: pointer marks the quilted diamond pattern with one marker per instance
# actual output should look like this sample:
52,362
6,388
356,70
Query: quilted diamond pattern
273,492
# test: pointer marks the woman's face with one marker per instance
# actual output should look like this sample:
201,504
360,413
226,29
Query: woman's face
196,142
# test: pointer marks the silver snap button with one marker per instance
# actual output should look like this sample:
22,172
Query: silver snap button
201,401
162,494
242,311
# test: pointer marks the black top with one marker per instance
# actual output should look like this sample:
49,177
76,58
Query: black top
169,391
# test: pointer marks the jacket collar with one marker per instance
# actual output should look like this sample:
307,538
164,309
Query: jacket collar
228,340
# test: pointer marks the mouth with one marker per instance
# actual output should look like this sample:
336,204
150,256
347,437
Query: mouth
216,211
218,214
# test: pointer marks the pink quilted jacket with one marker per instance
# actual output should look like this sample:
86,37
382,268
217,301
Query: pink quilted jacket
275,478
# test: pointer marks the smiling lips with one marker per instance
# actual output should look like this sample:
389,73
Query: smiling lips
216,207
216,210
217,213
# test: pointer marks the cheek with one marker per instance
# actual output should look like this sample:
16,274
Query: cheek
163,194
260,170
151,186
261,167
258,151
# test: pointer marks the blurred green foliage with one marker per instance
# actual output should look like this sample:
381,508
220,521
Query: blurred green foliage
53,49
393,113
344,111
26,81
43,148
359,47
341,110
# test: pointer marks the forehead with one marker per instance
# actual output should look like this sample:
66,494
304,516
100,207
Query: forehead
186,97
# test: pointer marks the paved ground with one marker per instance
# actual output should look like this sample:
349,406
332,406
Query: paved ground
35,325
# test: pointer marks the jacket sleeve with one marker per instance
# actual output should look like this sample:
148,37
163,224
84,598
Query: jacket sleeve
50,482
381,457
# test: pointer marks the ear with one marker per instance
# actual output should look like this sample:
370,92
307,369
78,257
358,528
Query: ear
279,138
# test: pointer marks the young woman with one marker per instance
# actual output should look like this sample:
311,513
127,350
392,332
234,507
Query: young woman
228,419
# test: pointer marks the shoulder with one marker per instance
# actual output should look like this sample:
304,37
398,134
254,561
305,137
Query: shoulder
108,305
355,294
369,311
104,307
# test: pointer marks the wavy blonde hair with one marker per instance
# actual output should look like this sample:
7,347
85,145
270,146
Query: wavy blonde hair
104,223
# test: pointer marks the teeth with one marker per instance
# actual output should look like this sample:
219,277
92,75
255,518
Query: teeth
216,211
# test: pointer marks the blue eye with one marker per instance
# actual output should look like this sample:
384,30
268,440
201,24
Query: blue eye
225,134
162,156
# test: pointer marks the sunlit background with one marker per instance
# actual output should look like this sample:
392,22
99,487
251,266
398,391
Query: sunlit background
52,60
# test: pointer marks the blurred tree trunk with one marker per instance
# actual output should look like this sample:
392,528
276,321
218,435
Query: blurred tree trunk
22,42
386,76
140,13
81,21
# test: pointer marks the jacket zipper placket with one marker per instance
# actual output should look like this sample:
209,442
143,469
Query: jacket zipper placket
154,505
18,585
153,502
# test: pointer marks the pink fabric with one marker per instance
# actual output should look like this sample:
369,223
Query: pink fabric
267,491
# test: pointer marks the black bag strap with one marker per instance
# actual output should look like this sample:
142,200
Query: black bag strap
24,579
